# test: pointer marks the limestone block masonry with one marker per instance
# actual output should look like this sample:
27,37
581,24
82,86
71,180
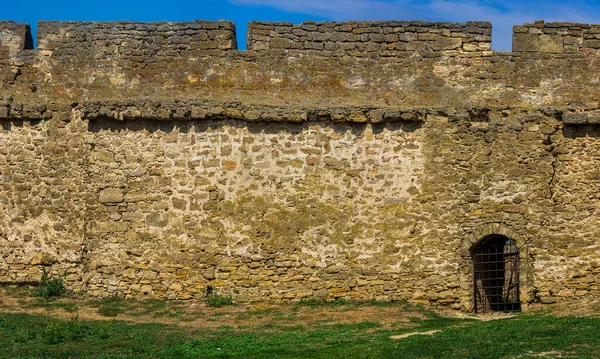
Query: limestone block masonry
358,160
390,38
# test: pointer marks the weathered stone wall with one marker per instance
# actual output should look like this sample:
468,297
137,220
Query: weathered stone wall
570,265
129,39
262,211
556,37
42,198
167,169
14,38
389,38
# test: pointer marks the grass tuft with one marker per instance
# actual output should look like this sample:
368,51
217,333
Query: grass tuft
112,306
218,301
50,288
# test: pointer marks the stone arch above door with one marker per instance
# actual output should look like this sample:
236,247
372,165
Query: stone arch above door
490,229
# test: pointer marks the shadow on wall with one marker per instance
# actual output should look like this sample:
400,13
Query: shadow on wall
152,126
8,124
581,131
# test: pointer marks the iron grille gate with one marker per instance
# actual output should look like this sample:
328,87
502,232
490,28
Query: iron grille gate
496,275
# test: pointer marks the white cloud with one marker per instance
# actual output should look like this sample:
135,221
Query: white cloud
339,10
503,15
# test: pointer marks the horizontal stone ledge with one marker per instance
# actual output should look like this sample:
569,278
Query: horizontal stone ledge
19,111
190,111
587,118
153,110
405,54
205,110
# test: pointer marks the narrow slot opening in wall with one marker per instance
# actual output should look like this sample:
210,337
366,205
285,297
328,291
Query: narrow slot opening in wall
29,44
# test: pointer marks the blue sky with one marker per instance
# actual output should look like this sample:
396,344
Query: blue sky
502,14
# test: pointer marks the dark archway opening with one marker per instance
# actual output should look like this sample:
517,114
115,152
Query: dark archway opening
496,275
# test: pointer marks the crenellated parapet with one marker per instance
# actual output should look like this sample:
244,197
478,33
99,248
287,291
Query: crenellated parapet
384,38
556,38
135,39
14,38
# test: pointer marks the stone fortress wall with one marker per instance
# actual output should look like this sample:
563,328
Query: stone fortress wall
358,160
389,38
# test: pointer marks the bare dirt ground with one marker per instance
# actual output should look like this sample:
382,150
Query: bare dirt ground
197,315
588,307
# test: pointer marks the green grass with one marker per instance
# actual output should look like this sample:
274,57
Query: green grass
27,336
160,308
113,306
53,305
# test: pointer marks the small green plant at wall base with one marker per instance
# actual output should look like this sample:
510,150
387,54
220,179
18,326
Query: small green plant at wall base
217,301
50,288
57,332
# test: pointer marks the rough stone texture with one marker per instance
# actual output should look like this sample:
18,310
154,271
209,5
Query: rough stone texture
281,174
129,39
556,37
14,37
384,38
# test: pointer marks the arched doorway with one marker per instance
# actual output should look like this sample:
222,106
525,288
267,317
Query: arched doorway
496,275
